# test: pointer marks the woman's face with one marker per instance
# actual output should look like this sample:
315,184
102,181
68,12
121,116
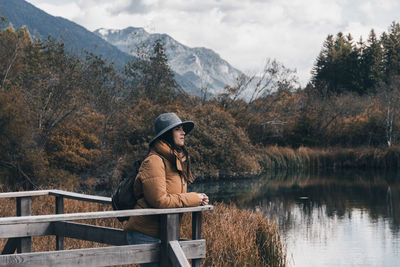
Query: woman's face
179,136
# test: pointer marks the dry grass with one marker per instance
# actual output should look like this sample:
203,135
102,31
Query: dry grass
239,238
304,158
46,205
234,237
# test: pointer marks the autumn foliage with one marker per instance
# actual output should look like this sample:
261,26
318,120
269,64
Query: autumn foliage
66,120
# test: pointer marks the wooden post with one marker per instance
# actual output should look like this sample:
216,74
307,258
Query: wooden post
169,231
196,233
24,209
176,255
59,210
10,246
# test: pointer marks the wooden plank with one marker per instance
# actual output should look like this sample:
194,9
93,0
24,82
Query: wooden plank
24,209
106,256
78,196
59,205
59,210
92,233
67,194
176,255
24,194
25,230
194,249
10,246
24,206
196,233
196,225
98,215
169,231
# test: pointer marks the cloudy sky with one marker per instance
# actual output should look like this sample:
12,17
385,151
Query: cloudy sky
243,32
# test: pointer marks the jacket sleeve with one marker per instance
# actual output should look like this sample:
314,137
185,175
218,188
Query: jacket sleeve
153,180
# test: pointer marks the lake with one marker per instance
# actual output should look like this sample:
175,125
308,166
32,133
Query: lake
344,218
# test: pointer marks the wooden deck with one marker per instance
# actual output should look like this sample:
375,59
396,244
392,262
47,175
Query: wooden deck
19,230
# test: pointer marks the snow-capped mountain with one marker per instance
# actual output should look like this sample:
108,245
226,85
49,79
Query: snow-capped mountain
202,67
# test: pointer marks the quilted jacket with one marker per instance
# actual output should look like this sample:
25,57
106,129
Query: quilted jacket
160,184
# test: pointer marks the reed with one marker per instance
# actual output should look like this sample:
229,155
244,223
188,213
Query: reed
316,159
234,237
238,237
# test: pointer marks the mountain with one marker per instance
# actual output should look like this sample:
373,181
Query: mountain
201,66
75,37
193,67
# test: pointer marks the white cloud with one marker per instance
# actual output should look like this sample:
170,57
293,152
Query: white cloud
69,10
244,32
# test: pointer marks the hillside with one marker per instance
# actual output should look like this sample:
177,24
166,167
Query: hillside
75,37
194,68
201,66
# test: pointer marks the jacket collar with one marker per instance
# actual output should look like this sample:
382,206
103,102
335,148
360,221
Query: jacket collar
179,159
163,149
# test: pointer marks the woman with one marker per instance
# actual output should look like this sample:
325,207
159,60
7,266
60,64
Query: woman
162,179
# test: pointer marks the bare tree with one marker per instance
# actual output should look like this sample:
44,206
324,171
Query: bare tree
274,76
53,89
389,95
18,39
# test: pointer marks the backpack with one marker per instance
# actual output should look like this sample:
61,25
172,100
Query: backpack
123,197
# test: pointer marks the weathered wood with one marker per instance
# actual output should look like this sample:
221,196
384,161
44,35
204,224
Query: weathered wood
24,209
59,205
25,230
59,210
24,206
98,215
92,233
194,249
196,225
106,256
169,231
176,255
10,246
78,196
24,245
24,194
72,195
196,233
20,229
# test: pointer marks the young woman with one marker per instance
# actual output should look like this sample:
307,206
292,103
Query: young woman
162,179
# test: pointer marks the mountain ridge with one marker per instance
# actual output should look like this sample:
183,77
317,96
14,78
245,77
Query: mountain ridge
75,37
202,66
194,68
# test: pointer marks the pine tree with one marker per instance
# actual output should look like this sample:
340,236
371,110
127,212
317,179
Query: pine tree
371,63
391,51
322,72
152,75
337,67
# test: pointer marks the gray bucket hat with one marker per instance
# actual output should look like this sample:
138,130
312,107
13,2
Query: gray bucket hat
168,121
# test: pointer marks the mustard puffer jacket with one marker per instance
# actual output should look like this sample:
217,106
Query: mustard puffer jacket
159,184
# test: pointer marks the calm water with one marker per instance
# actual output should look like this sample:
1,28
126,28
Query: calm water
341,219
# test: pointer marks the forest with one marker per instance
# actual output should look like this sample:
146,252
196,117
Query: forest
66,121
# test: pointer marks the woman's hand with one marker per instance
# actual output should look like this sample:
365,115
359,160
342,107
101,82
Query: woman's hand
203,199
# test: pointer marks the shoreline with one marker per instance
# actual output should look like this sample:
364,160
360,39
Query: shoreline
314,160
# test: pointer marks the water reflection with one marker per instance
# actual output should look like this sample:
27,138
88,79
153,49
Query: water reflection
332,219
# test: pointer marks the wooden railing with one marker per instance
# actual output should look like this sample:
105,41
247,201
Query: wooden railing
20,229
